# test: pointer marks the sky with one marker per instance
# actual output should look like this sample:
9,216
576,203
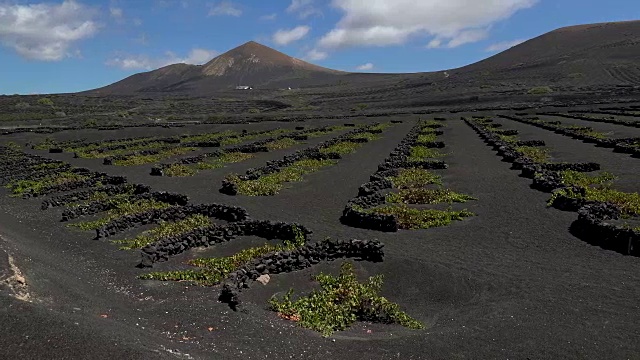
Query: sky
62,46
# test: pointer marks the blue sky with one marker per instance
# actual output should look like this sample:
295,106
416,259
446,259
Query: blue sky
73,45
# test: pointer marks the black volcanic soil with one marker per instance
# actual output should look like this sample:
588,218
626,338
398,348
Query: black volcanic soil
611,131
578,63
565,149
509,283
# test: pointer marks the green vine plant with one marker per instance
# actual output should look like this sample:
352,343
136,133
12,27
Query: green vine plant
165,230
179,170
138,159
281,144
427,137
184,170
45,144
222,160
123,208
581,179
48,166
233,140
365,135
342,148
102,196
596,188
99,153
212,271
166,150
271,184
341,301
510,139
413,177
427,196
409,218
37,187
421,153
12,145
629,203
433,124
98,149
323,132
209,136
536,153
379,127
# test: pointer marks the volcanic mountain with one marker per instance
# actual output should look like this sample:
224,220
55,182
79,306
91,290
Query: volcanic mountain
250,64
605,53
583,55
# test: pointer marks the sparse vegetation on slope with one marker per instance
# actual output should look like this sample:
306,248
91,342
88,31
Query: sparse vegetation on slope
179,170
427,196
340,302
536,153
149,159
123,208
164,230
37,187
629,203
283,143
271,184
421,153
226,158
413,218
540,90
412,178
581,179
213,270
342,148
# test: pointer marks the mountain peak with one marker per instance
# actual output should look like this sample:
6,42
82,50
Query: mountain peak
254,57
251,43
252,46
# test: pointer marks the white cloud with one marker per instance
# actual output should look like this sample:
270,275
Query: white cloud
116,12
383,23
269,17
285,37
196,56
200,56
315,55
169,3
225,8
143,39
435,43
304,8
45,31
464,37
131,63
364,67
504,45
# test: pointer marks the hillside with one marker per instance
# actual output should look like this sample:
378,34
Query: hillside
605,53
250,64
573,61
598,54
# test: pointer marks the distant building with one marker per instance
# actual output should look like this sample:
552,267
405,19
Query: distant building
243,87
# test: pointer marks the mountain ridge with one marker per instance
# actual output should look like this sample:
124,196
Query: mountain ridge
250,64
606,53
